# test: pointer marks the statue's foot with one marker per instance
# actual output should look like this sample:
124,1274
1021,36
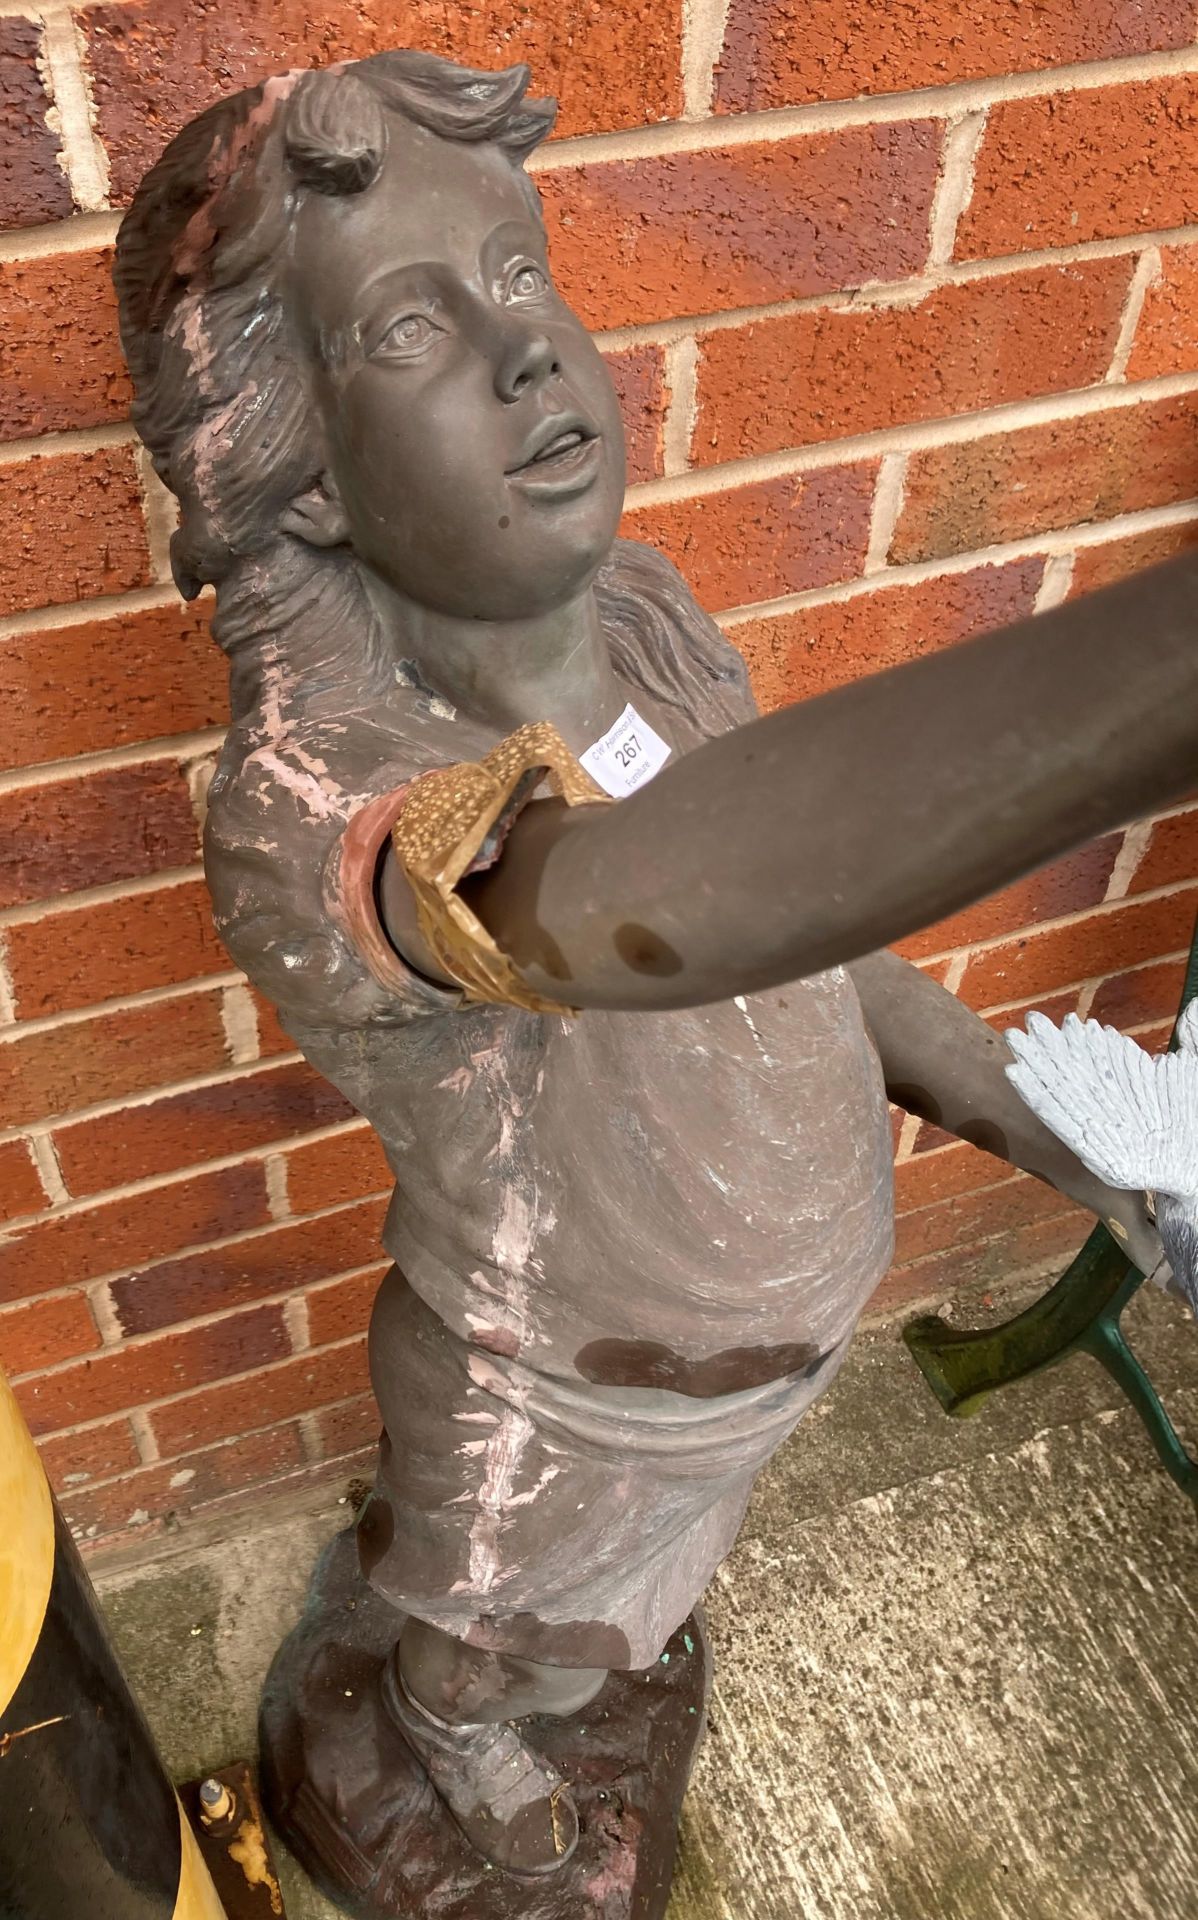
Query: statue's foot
513,1807
353,1798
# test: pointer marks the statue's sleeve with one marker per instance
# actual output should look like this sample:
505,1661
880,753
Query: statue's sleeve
294,901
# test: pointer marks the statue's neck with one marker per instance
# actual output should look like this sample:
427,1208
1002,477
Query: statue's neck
553,666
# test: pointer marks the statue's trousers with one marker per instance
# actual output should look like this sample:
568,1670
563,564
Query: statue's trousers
90,1826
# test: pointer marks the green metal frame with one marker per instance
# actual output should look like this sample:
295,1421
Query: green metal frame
1081,1314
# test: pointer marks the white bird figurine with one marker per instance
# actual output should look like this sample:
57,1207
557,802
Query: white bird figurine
1130,1116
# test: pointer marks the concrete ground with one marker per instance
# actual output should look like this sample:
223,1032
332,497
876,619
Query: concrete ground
957,1661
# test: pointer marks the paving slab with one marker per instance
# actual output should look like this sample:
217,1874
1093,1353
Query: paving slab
957,1662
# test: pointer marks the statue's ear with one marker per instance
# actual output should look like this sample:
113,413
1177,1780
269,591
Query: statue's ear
317,516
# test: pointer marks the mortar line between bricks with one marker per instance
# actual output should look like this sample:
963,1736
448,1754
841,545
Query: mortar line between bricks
1053,590
160,512
63,1123
180,746
1148,268
78,613
239,1018
1148,1027
156,1182
883,293
888,504
831,116
985,1239
932,1153
946,1147
681,382
35,911
330,1466
704,23
8,998
1002,1008
274,1168
297,1321
1095,533
78,233
347,1273
1101,910
220,1446
1129,859
1068,404
85,231
146,1441
1013,1178
87,1287
1076,403
104,1313
198,1083
114,433
127,1003
213,1446
85,161
954,189
134,1341
45,1159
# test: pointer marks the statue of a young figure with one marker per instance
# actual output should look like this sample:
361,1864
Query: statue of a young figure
628,1048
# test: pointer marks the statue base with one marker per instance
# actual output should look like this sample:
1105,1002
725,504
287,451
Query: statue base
353,1803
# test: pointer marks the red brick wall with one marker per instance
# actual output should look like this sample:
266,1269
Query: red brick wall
902,304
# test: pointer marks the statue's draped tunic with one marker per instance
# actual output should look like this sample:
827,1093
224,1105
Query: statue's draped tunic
629,1247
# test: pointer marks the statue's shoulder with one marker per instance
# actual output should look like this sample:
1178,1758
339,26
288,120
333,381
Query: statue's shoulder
285,788
329,758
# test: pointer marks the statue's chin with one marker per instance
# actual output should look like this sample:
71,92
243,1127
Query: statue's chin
498,601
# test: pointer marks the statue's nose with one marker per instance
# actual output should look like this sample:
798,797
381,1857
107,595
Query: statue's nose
526,359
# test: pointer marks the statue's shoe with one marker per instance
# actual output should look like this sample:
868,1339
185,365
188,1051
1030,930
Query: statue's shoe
352,1797
513,1807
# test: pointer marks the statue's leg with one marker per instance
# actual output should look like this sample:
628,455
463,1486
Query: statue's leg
443,1514
503,1653
461,1683
454,1704
528,1541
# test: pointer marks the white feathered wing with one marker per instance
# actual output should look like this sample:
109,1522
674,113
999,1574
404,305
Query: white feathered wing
1131,1116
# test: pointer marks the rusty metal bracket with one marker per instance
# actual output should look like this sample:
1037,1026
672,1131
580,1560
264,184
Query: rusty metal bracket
226,1816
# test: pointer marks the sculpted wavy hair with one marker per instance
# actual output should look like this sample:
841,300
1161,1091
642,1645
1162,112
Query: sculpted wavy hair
221,397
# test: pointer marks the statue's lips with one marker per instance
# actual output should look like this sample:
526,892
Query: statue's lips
564,460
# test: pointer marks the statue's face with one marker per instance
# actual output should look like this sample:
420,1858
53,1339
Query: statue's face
473,433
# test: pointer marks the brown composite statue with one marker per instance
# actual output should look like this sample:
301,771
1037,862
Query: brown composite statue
598,953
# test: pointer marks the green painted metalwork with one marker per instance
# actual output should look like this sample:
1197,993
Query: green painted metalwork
1082,1313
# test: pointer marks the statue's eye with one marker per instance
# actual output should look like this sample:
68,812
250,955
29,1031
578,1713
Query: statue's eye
408,335
527,283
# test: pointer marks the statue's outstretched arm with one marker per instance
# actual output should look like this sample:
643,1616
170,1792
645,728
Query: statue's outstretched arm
832,828
942,1062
